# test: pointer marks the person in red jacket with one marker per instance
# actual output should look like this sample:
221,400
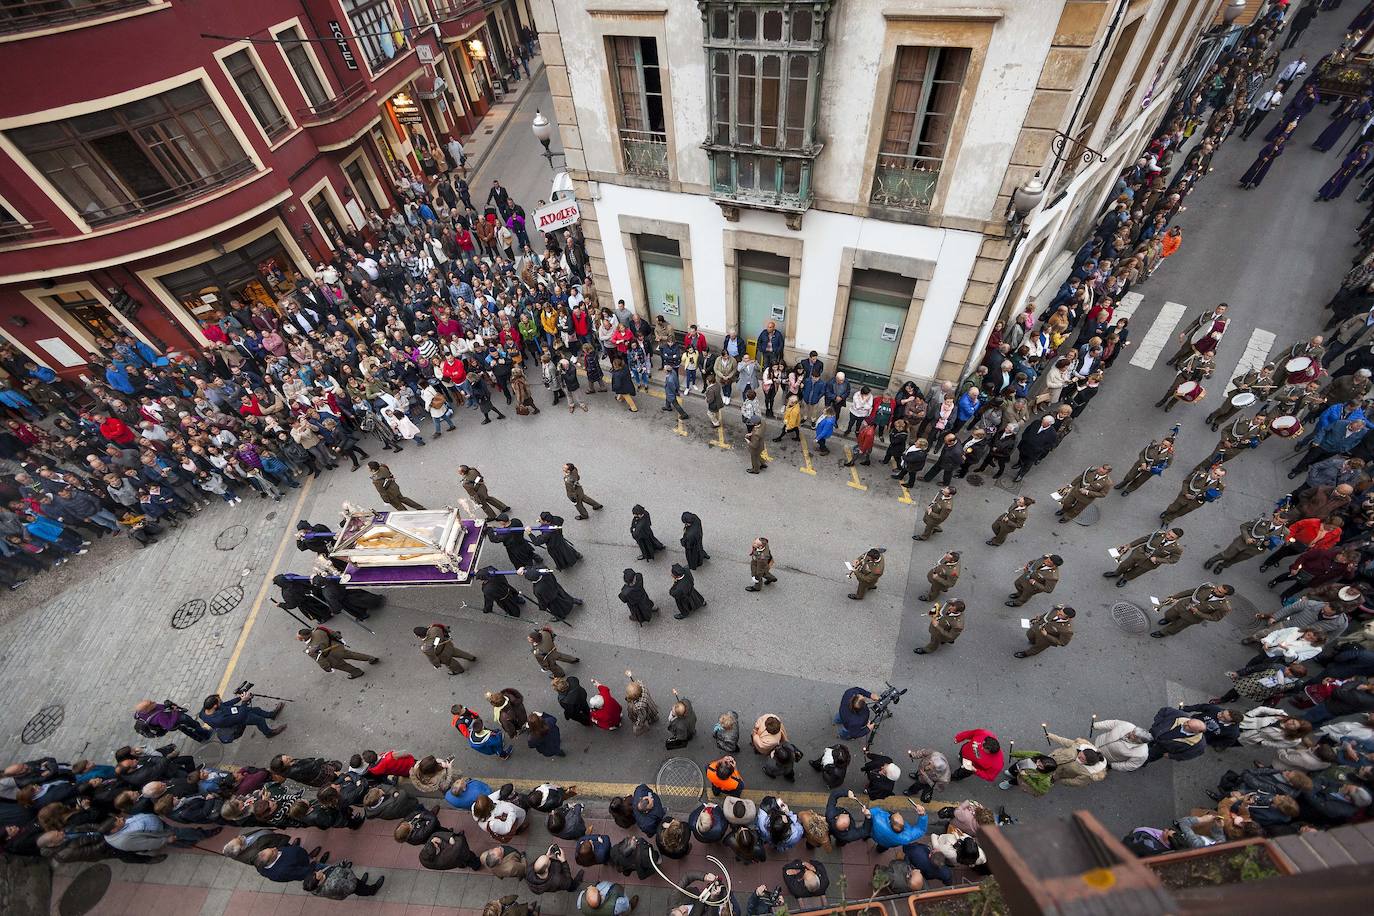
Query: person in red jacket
694,340
980,754
863,444
389,764
115,430
1304,534
605,708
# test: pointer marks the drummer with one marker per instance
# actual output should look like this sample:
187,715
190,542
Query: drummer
1246,389
1289,362
1187,384
1242,435
1293,399
1203,334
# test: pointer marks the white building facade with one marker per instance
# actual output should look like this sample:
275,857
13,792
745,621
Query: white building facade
845,167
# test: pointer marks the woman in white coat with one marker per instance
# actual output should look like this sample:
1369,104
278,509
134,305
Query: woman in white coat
402,426
1126,746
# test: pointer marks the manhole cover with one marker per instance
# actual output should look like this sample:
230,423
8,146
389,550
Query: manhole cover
680,784
188,614
1243,612
270,516
86,890
1130,617
975,480
43,724
1089,516
231,537
226,599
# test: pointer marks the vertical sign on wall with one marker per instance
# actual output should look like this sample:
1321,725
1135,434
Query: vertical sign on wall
344,50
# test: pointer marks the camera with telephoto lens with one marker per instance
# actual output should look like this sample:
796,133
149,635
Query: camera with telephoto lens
247,687
890,696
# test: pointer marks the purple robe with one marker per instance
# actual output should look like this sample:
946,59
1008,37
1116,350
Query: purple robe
1336,184
1296,111
1260,167
1337,128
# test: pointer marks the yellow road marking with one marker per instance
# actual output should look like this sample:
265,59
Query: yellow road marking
681,427
720,439
853,471
653,392
287,537
905,498
806,467
765,456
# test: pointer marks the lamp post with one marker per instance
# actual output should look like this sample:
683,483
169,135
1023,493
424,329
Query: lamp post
1023,200
543,132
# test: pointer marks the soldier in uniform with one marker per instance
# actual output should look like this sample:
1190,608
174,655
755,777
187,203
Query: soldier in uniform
546,653
436,643
866,571
1207,603
1298,399
1037,577
1093,483
1241,436
939,509
942,576
1052,629
1195,368
476,486
1259,382
760,565
1207,320
1314,347
329,651
754,437
572,485
1203,486
388,489
1014,519
946,623
1153,461
1256,538
1145,553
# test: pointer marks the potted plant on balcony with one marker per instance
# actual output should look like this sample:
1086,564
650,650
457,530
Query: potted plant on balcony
1228,863
983,899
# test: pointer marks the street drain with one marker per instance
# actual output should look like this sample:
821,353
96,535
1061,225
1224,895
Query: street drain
85,891
226,599
231,537
1130,617
188,614
680,784
43,724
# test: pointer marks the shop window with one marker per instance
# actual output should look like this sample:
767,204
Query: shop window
361,188
763,279
259,272
926,83
243,70
136,158
660,264
90,312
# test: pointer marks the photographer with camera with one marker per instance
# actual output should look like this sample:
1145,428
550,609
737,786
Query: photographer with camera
854,717
153,720
229,720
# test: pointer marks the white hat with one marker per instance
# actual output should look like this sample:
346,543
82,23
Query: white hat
596,702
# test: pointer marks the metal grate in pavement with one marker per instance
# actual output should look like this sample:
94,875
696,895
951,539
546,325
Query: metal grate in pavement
1243,612
1130,617
43,724
188,614
85,892
231,537
226,599
680,783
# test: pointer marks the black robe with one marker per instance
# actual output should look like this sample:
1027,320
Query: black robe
553,598
321,546
496,590
355,601
448,849
684,592
642,530
299,595
559,549
691,541
574,702
518,549
637,600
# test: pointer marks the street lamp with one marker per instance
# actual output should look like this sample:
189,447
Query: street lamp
543,132
1023,200
1231,12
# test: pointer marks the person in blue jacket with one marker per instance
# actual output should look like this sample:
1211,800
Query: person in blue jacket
648,810
890,829
286,864
465,791
853,715
825,428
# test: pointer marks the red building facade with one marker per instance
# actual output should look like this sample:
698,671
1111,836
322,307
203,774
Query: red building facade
151,175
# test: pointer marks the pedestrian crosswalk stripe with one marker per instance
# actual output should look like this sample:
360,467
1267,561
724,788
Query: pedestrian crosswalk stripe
1127,306
1159,336
1256,352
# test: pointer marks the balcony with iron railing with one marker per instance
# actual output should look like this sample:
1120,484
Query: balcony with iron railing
646,153
14,231
30,15
169,196
905,182
338,119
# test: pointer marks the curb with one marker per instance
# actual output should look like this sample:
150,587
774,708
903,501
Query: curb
500,131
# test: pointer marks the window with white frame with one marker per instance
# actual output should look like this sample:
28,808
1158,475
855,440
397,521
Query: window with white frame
376,29
298,56
243,70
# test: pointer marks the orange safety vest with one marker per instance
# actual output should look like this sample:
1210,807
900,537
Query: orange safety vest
730,784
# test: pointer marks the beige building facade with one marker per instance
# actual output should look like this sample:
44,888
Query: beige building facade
845,168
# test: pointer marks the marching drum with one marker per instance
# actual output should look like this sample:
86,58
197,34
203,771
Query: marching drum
1189,391
1302,369
1286,426
1242,399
